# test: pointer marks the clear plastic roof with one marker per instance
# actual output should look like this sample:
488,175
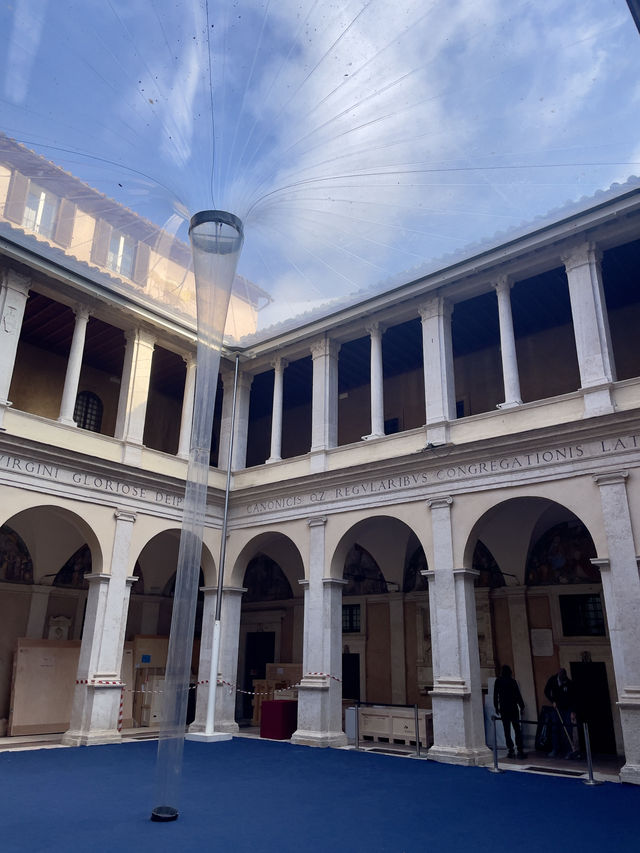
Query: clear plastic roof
359,141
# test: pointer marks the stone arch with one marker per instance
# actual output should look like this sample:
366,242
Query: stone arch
551,612
277,547
52,535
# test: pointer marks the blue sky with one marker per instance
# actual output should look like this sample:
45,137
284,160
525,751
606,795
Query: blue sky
357,139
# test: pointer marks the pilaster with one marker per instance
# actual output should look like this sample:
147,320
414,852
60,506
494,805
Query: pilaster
590,327
14,292
188,397
134,389
377,382
621,590
437,348
458,718
324,405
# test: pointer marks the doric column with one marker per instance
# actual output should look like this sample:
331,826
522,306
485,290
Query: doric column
320,691
239,460
38,611
437,351
458,717
94,714
13,298
590,327
186,421
324,406
621,589
507,346
377,382
134,390
74,366
225,710
276,412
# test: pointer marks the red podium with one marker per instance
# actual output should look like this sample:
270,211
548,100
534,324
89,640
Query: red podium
279,719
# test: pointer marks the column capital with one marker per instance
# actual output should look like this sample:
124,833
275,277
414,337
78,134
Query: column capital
437,306
334,582
98,577
578,254
324,347
318,521
142,335
440,503
503,284
131,580
125,515
81,311
17,281
234,590
611,478
279,363
189,358
602,563
374,328
466,574
304,583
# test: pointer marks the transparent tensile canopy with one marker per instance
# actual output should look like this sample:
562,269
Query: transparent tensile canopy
360,142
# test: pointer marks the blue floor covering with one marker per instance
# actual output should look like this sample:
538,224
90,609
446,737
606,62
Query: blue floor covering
252,795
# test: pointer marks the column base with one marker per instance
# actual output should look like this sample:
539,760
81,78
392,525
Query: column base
323,739
94,738
630,774
203,737
68,422
509,404
465,756
373,435
597,401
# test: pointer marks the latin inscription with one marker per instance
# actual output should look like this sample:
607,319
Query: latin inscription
88,481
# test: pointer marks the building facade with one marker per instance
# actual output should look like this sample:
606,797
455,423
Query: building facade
428,485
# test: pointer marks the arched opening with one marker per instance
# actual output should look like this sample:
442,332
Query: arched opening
386,650
271,625
540,608
45,553
149,626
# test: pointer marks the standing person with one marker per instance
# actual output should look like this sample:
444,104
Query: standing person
559,691
508,702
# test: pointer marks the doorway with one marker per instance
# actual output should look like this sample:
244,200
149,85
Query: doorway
259,651
351,677
594,704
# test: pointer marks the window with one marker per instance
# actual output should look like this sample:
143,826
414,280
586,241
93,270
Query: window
40,211
350,618
121,254
88,411
582,616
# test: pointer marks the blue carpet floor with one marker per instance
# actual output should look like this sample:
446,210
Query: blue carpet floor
250,795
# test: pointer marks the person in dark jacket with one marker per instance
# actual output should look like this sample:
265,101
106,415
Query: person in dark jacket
559,691
508,702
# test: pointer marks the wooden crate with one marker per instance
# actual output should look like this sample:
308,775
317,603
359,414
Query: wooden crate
383,724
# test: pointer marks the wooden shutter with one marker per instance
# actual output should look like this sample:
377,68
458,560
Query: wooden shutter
16,198
141,267
100,246
64,226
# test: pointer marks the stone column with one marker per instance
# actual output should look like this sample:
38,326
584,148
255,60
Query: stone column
134,390
186,421
458,716
230,614
377,382
38,612
13,298
243,400
621,589
276,413
397,651
320,694
96,701
510,375
74,366
437,351
324,406
591,328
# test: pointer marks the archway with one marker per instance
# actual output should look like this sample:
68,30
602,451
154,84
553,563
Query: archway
271,622
149,625
45,552
541,598
386,652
